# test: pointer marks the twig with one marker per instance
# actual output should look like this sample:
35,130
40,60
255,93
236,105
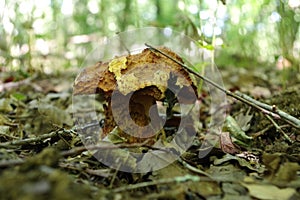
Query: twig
106,146
286,117
279,129
194,169
72,152
261,132
40,138
10,163
279,114
178,179
114,176
11,85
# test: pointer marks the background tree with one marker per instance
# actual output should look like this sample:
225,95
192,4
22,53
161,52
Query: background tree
35,34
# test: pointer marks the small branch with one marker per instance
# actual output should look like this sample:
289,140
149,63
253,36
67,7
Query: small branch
279,129
194,169
104,146
285,116
40,138
72,152
178,179
278,114
11,85
10,163
261,132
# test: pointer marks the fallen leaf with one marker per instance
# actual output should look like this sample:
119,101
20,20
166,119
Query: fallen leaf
269,192
260,92
5,105
254,166
226,144
243,120
236,131
55,115
286,173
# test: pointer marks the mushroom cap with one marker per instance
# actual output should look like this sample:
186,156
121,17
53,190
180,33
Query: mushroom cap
131,73
146,76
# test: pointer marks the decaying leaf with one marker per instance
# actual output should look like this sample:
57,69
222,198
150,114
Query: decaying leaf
202,188
243,120
55,115
272,161
117,158
287,172
252,165
227,172
144,76
226,144
5,105
280,171
270,192
236,131
155,159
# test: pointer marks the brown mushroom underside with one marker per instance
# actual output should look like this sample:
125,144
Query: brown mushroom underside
144,76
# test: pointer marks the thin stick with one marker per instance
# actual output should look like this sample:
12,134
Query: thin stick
10,163
279,129
278,115
286,117
178,179
104,146
74,151
40,138
194,169
261,132
11,85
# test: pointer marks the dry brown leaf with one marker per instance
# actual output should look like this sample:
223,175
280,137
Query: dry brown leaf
226,144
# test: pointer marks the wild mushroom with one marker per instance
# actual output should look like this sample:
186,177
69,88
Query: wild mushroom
131,85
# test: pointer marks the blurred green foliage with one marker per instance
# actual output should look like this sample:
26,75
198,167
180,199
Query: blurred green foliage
50,35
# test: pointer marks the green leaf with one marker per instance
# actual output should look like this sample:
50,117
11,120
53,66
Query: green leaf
236,131
242,162
18,96
209,47
269,192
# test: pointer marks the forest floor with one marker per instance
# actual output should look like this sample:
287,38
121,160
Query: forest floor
255,156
